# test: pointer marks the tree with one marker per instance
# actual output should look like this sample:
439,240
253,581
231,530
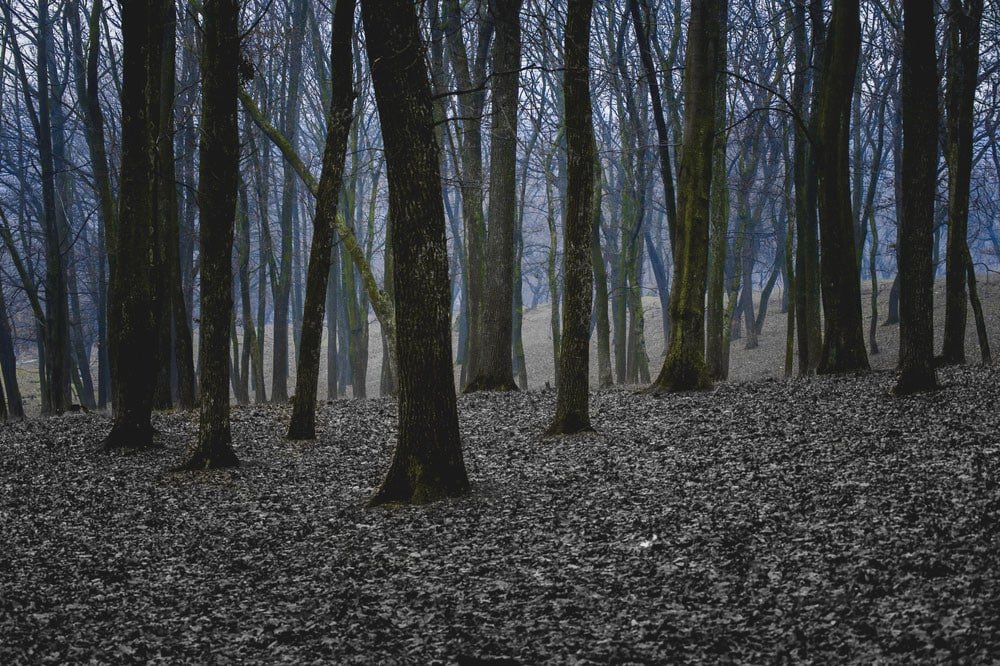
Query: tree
573,374
919,170
843,335
130,294
684,366
494,370
218,179
303,422
964,28
427,463
807,270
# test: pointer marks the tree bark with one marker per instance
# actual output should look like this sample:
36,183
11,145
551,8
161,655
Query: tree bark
684,366
843,335
427,464
964,27
573,374
130,297
494,370
919,170
218,181
807,292
303,421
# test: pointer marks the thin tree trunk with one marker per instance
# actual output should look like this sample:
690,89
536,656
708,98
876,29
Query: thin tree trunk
303,420
964,27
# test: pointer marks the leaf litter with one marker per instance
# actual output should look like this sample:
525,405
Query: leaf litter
815,520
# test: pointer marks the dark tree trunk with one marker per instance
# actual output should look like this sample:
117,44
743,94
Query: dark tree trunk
843,334
684,366
130,298
573,373
303,421
8,364
807,287
494,370
964,26
892,316
919,170
218,180
427,464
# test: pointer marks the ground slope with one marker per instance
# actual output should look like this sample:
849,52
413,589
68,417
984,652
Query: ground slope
816,520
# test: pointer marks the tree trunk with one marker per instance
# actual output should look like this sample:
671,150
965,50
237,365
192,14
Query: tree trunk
166,231
218,180
684,366
573,374
715,355
964,27
494,370
8,364
130,297
807,292
919,169
604,376
56,297
471,78
427,464
303,421
843,335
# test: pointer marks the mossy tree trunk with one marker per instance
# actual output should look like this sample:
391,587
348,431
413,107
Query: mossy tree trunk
303,421
427,464
843,334
964,27
130,296
494,370
919,169
684,366
807,292
573,373
218,180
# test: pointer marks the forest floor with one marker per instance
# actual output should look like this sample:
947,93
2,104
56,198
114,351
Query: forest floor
817,520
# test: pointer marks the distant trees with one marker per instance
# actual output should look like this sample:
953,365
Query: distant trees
573,373
427,464
495,369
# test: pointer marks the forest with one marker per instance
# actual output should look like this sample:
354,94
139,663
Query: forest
499,331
